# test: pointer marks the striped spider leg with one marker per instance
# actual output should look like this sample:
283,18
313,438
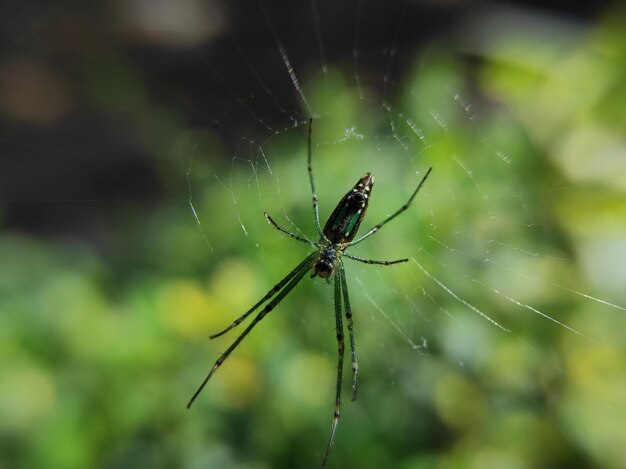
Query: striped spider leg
325,262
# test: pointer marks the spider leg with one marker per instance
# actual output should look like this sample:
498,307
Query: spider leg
348,312
316,212
394,214
371,261
293,235
269,307
302,266
340,349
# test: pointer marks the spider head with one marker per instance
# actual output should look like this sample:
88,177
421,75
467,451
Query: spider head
324,268
325,264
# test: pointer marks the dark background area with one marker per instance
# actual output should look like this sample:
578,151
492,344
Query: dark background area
70,157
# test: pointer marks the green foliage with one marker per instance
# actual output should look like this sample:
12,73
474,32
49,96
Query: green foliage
100,349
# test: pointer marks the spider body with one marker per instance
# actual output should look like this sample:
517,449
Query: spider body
325,262
342,226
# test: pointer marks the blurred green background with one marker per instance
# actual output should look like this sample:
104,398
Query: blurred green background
110,287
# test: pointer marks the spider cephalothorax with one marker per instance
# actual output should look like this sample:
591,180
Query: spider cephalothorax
326,262
338,235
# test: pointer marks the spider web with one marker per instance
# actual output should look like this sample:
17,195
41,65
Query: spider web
513,295
500,266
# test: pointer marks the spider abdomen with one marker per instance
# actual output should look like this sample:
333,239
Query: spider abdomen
344,222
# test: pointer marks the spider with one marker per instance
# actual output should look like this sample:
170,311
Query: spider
325,262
